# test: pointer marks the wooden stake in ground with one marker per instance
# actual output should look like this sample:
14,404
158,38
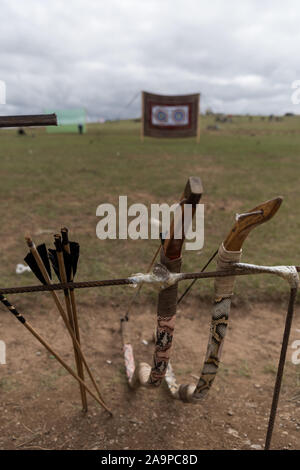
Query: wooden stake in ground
198,128
142,115
43,275
28,326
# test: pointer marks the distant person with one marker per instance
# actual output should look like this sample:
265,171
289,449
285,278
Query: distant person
21,131
80,128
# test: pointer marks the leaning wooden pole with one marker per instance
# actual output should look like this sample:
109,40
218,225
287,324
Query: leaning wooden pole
28,326
29,120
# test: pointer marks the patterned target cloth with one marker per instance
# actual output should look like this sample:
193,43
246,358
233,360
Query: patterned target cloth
170,116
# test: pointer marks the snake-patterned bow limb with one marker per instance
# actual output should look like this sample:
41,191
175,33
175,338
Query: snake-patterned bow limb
170,257
229,252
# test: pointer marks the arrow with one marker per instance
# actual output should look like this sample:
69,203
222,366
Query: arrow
28,326
39,268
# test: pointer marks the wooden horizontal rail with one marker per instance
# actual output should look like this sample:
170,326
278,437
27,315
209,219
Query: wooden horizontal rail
29,120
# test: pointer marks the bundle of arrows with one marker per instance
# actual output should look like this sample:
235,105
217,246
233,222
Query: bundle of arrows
64,259
166,275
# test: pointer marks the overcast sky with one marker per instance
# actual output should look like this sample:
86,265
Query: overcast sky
242,56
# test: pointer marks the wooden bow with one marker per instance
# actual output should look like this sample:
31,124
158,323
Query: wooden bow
229,252
171,258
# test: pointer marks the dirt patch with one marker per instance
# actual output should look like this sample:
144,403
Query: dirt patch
40,404
229,205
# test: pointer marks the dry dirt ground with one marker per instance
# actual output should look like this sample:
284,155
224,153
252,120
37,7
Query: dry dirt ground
40,404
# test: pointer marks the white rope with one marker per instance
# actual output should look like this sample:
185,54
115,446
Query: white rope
289,273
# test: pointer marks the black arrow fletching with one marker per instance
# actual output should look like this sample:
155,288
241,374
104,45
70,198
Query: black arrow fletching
30,260
68,265
55,265
54,261
74,249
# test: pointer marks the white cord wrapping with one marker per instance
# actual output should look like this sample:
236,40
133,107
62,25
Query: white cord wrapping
289,273
224,285
160,276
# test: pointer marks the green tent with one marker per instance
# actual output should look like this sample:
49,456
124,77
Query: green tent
68,120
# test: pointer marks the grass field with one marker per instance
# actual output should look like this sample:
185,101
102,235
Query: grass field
49,181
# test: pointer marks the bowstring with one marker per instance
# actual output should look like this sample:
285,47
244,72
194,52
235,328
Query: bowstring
194,280
187,290
134,298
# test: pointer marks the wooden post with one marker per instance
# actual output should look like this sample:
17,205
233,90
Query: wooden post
142,117
34,120
198,124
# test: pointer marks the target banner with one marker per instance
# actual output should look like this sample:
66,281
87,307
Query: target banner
170,116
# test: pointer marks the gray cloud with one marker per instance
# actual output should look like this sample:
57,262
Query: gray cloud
241,56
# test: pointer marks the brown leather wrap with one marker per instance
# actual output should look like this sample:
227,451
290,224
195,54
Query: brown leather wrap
167,299
166,312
